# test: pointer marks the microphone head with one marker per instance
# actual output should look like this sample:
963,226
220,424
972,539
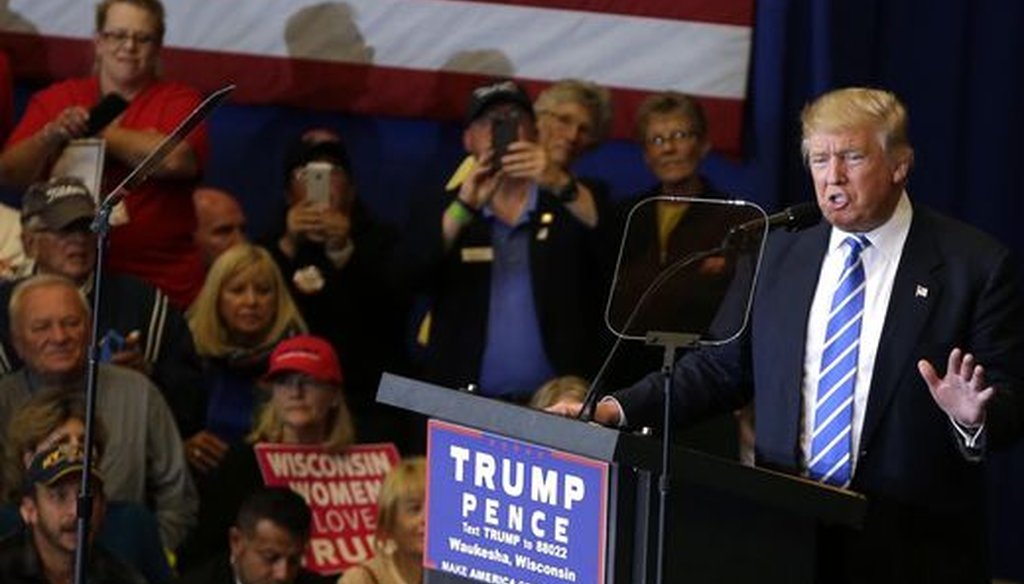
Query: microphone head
802,216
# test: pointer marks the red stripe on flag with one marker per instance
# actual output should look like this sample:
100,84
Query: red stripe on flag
735,12
333,86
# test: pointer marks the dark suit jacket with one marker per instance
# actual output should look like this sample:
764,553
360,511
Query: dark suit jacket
955,287
563,268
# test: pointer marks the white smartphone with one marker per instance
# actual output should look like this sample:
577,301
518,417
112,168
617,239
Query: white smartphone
318,183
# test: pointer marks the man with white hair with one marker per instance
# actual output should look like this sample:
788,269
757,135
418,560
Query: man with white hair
144,461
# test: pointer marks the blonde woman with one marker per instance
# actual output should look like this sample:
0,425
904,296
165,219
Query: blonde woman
307,406
401,525
565,387
242,312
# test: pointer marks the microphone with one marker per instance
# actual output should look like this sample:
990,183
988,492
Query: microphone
792,218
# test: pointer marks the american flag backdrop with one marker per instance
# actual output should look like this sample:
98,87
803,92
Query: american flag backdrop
420,58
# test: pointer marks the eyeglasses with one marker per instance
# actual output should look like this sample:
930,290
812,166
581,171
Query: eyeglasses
120,37
672,138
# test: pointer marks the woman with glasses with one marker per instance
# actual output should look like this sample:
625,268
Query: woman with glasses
653,235
573,118
307,406
152,234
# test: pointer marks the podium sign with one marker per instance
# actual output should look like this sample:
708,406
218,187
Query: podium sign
508,511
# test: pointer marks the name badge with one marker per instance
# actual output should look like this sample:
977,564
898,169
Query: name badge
477,254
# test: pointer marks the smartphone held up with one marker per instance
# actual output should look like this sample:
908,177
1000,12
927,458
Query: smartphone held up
504,131
317,176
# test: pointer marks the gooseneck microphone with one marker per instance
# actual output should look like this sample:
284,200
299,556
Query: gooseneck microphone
792,218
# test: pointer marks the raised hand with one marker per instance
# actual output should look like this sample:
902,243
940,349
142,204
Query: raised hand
962,393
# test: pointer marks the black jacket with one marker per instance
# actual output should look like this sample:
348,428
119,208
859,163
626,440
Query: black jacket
19,564
566,289
218,571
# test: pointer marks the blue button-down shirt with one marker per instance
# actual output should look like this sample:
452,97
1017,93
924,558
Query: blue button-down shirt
514,363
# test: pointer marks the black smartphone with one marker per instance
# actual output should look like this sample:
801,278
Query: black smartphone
104,112
504,131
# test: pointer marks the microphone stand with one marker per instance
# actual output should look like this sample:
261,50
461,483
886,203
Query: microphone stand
101,226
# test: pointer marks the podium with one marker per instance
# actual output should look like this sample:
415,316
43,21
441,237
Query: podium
728,522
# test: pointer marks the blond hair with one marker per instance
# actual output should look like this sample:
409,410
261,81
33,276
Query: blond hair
596,99
212,339
341,429
408,479
567,386
856,107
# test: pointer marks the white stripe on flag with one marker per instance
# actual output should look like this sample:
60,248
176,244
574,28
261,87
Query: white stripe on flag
631,52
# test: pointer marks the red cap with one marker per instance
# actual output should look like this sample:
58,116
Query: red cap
306,354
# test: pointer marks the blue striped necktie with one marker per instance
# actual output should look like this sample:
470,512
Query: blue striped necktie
831,444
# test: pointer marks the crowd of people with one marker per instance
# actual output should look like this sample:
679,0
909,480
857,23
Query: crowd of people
196,317
498,284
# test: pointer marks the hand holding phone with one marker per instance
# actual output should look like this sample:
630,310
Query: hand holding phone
504,131
317,176
110,344
105,112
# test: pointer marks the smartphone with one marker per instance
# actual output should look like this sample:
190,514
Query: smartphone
504,131
104,112
318,183
111,343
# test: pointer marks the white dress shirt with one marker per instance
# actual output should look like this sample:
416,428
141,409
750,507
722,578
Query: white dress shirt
881,259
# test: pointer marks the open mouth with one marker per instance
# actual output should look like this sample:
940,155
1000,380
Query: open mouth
837,201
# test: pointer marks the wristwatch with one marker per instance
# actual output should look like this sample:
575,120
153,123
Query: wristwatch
569,192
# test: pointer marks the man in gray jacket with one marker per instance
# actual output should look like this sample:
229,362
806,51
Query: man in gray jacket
144,461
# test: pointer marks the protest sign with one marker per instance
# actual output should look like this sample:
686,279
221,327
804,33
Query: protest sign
341,490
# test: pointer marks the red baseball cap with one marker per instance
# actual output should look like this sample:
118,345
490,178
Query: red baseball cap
312,356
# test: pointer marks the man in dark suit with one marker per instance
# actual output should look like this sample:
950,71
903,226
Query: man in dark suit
884,355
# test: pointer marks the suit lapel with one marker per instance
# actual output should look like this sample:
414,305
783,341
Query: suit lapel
916,289
799,273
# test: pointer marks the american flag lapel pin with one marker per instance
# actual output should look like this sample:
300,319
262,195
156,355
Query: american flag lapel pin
921,292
